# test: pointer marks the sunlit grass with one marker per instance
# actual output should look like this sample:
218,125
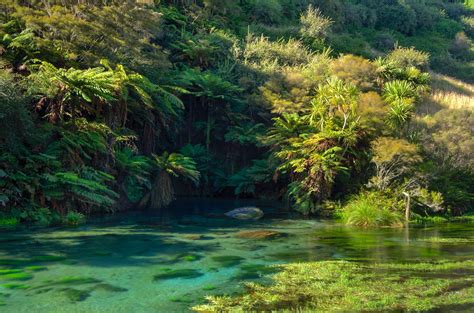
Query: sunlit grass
340,286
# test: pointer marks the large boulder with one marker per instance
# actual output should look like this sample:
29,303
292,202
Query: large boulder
245,213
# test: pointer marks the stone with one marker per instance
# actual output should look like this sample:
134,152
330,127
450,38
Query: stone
245,213
260,234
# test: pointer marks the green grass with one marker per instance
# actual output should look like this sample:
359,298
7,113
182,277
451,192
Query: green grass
343,286
371,209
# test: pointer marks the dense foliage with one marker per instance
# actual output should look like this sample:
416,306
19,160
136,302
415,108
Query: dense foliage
112,105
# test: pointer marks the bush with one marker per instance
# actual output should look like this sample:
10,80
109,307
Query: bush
267,11
372,209
408,57
314,24
8,221
74,218
355,70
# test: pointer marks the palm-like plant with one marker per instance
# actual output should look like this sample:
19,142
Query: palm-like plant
168,166
134,87
333,99
72,91
401,96
135,173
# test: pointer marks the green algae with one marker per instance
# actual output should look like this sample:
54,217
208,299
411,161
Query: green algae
227,260
10,271
32,260
180,273
70,281
16,276
189,257
15,286
209,287
36,268
181,299
48,258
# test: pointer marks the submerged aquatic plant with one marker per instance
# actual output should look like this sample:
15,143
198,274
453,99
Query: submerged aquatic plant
186,273
351,287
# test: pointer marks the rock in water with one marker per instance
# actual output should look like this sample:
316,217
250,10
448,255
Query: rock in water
260,234
246,213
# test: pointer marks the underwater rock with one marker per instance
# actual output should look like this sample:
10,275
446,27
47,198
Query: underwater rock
75,295
227,260
182,273
72,280
245,213
109,288
260,234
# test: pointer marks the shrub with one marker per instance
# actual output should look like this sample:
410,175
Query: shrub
264,53
268,11
73,218
8,221
461,46
355,70
372,209
407,57
314,24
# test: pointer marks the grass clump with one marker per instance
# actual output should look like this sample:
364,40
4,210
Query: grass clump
343,286
372,209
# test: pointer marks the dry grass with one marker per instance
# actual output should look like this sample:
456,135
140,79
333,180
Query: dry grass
448,93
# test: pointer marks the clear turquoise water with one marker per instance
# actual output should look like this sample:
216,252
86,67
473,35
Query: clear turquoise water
110,264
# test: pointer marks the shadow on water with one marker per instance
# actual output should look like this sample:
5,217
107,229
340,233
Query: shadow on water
132,238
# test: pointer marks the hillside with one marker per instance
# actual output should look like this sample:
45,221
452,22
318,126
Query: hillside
333,107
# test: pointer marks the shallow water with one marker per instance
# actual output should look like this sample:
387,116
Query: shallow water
142,262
